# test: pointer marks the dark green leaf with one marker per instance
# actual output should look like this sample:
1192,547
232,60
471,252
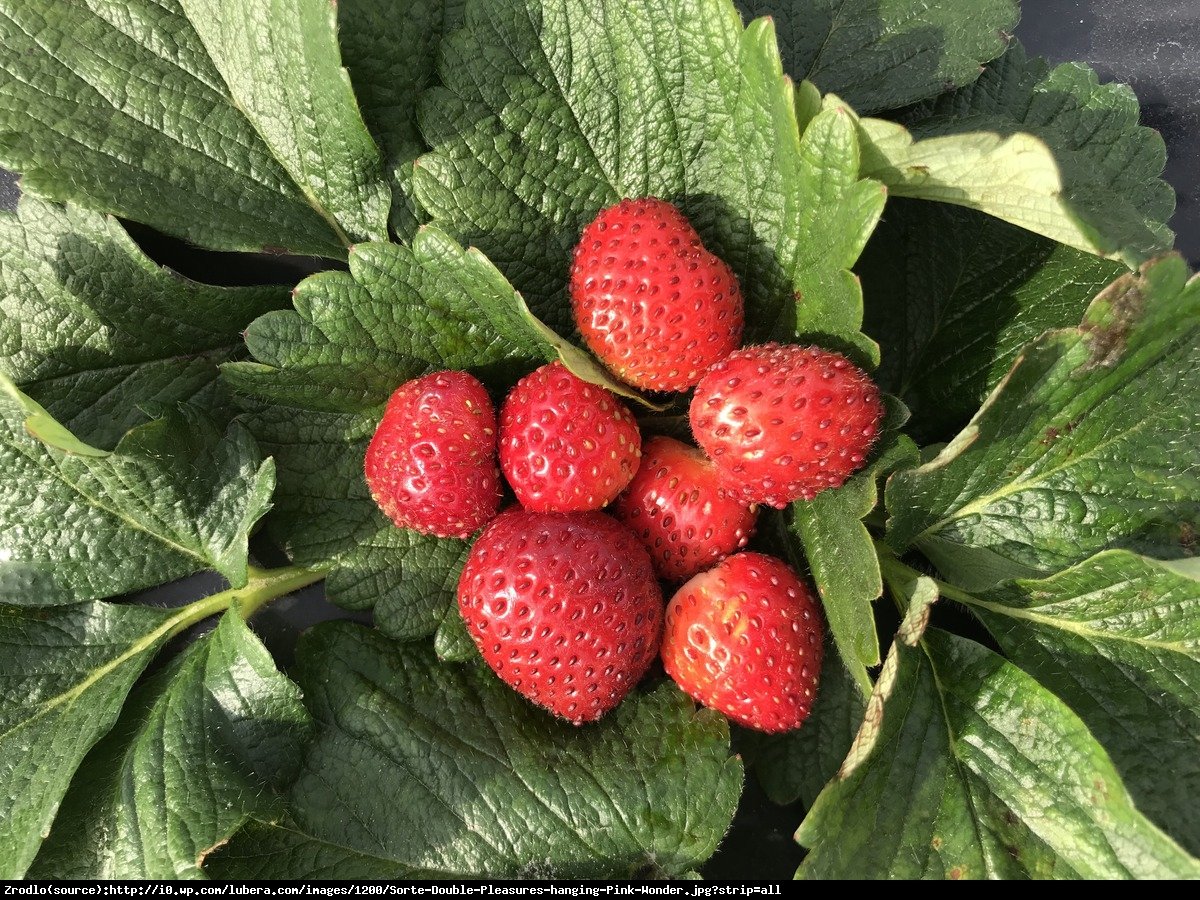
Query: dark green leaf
881,54
1105,192
952,295
551,111
116,105
467,779
967,768
841,552
73,340
281,63
76,523
797,765
390,50
452,642
1118,638
64,674
1088,443
199,749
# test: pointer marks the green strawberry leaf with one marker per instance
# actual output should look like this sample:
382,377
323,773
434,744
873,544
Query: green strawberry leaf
324,514
355,336
796,765
73,341
118,106
952,295
966,767
671,100
76,523
841,552
64,674
281,63
390,50
452,642
1053,151
199,749
882,54
1077,450
1118,638
468,779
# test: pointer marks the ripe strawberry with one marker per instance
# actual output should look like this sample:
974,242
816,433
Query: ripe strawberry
654,305
566,445
682,515
746,638
564,608
431,465
784,423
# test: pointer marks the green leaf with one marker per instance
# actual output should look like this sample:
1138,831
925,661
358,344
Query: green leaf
64,674
1088,443
468,779
324,514
200,749
952,295
115,105
281,63
73,341
354,337
551,111
1118,638
452,642
882,54
1053,151
77,523
390,50
841,552
796,765
967,768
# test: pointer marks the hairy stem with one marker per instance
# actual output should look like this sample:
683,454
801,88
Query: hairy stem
263,586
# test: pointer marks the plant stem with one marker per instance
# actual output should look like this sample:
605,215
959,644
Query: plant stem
896,572
263,586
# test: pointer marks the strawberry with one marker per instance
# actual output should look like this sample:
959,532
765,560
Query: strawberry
566,445
677,507
431,465
564,608
654,305
784,423
746,638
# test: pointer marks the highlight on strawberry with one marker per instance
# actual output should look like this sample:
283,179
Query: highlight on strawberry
746,638
783,422
680,512
651,302
431,465
564,607
566,445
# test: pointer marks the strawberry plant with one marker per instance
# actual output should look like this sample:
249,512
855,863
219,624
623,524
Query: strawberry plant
998,546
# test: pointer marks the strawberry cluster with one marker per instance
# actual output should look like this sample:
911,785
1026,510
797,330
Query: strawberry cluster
563,600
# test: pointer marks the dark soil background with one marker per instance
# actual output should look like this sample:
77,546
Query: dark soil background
1153,45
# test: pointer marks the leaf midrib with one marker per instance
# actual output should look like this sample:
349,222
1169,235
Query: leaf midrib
170,627
56,472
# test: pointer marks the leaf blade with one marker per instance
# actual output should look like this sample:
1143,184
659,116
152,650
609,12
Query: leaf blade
232,729
583,797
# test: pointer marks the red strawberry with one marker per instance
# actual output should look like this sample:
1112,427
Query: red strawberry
564,608
566,445
654,305
682,515
784,423
746,638
431,465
